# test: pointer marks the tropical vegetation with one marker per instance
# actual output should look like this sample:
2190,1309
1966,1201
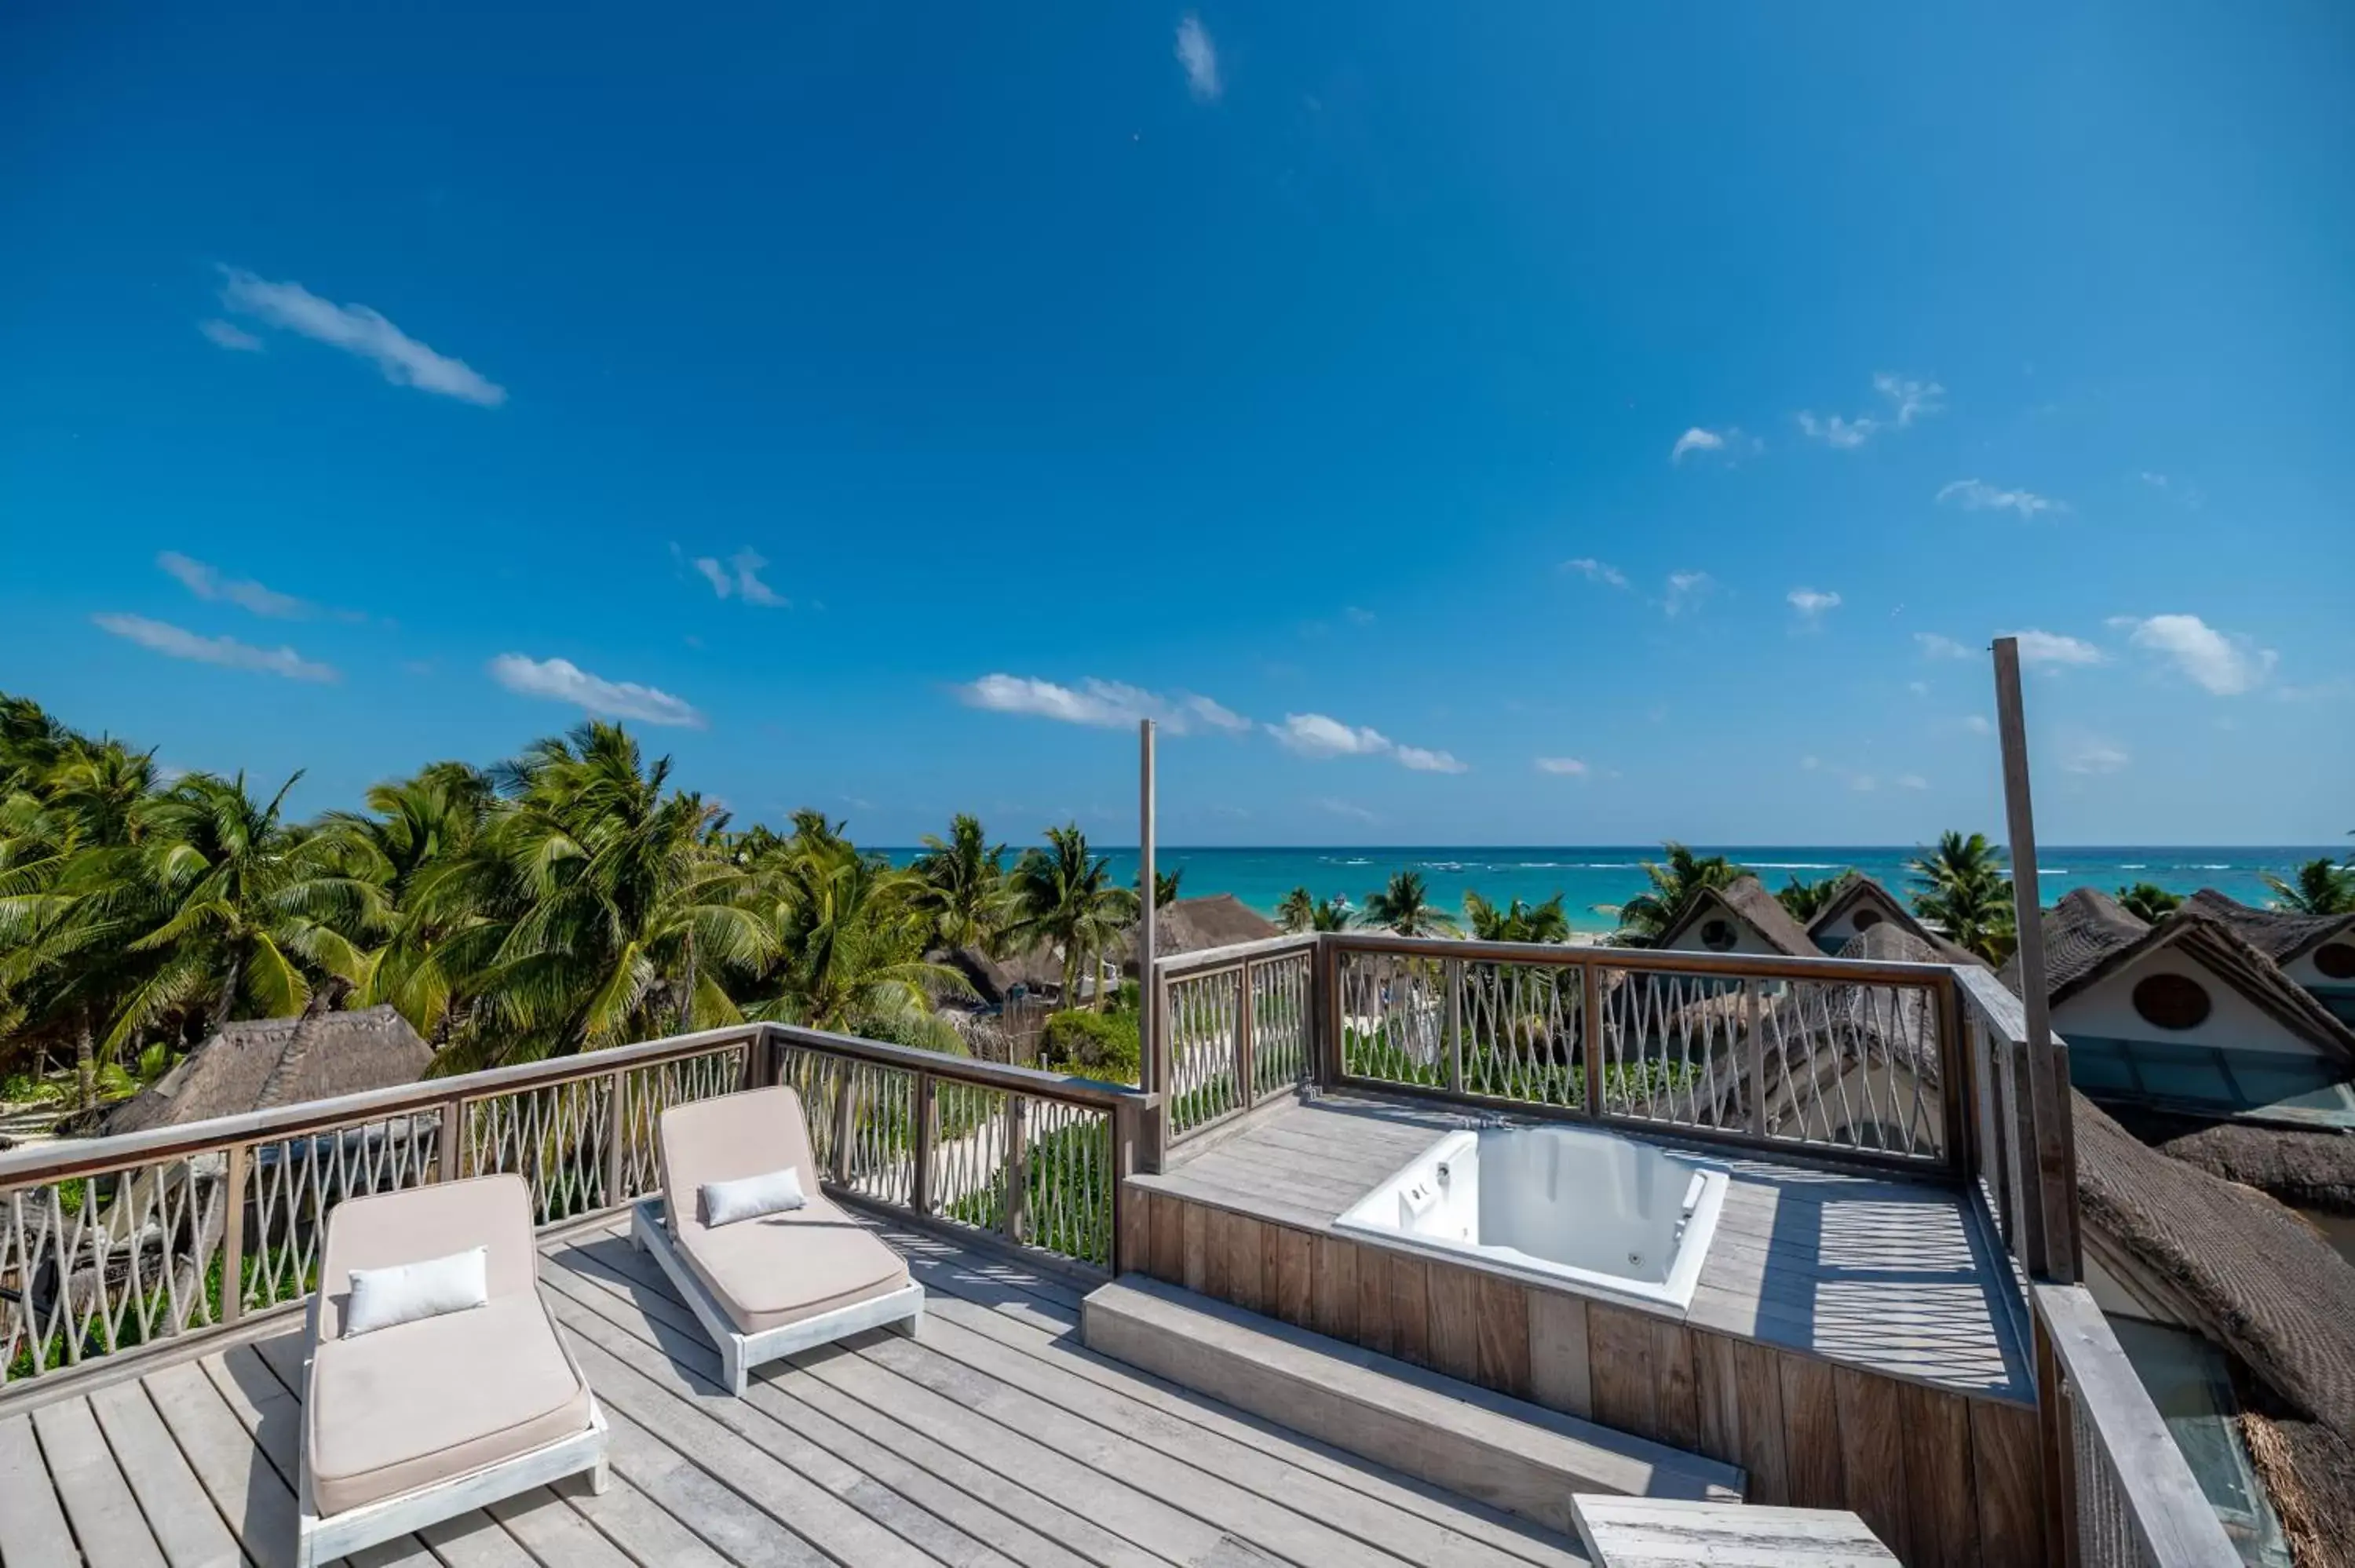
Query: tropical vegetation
1644,918
2316,887
572,898
1961,889
2149,902
1404,908
1806,900
1300,911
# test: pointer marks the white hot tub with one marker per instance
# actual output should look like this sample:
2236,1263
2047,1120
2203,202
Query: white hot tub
1598,1211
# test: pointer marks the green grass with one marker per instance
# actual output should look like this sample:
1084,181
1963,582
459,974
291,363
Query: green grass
1072,1164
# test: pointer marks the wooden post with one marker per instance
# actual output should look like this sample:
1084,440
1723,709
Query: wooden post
1246,1075
1590,1001
1959,1080
925,1108
1153,1063
1328,1059
2058,1447
454,1123
1130,1125
2054,1162
1017,1168
1757,1046
1455,1026
617,1138
240,1157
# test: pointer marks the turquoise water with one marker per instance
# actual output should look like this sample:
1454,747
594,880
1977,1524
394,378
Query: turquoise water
1587,876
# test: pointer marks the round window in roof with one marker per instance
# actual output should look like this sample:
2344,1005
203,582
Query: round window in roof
1866,919
2172,1002
2336,960
1717,936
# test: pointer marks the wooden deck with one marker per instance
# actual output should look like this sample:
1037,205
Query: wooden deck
1885,1275
994,1439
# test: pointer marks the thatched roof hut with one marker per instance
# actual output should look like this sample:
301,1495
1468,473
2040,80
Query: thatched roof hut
1192,925
2257,1282
2280,934
1860,905
255,1063
1711,919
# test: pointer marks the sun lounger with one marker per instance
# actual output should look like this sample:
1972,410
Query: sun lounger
426,1418
781,1282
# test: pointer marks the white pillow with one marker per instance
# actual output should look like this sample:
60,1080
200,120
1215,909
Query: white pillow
384,1297
724,1203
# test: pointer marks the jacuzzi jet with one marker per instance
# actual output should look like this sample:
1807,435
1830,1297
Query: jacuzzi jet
1634,1260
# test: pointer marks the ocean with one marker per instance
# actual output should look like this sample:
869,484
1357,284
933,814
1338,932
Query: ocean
1587,876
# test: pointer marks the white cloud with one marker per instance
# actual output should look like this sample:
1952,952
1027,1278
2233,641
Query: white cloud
1424,761
1687,589
1569,766
1313,735
229,336
208,584
1348,809
740,576
1908,397
357,329
1109,705
1200,57
1919,688
1357,617
1811,763
2222,662
1935,646
1835,431
1696,439
2052,648
1864,783
562,680
1977,496
1977,724
1812,604
2092,754
177,643
1596,571
1911,781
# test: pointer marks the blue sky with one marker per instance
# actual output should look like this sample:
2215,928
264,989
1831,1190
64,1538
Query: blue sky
1499,424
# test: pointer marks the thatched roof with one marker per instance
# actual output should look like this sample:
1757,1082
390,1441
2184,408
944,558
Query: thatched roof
1858,891
260,1063
1744,898
993,980
2257,1281
2089,936
2305,1167
1192,925
2279,935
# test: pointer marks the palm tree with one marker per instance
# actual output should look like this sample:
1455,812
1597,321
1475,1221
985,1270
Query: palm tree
2148,901
1962,892
1806,900
2321,887
1065,898
1301,912
1644,920
1519,922
850,935
961,886
1404,908
1165,887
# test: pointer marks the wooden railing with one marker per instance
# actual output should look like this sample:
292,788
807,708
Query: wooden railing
1837,1057
1923,1069
1235,1026
111,1244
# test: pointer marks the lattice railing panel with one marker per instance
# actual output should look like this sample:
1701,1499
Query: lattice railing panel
292,1182
1283,1018
96,1264
1203,1023
1671,1047
1853,1066
555,1137
1392,1009
647,1092
1514,1031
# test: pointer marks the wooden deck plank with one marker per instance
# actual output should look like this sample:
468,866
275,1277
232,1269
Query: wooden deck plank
246,1488
189,1532
1646,1532
106,1518
638,1525
545,1524
33,1527
740,1533
904,1498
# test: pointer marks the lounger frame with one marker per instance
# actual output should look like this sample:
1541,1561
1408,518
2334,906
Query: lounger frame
902,1310
322,1539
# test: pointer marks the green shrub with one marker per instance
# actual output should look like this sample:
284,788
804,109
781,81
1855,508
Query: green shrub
1099,1045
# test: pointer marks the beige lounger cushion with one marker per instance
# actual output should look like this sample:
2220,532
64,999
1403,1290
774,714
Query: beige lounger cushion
780,1270
421,1402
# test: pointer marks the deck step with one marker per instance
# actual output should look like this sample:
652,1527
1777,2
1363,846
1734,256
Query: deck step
1502,1451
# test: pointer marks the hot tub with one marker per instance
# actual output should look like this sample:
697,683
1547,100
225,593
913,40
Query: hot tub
1576,1205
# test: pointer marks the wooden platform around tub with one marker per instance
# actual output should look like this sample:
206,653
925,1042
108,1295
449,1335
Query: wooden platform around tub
1848,1345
